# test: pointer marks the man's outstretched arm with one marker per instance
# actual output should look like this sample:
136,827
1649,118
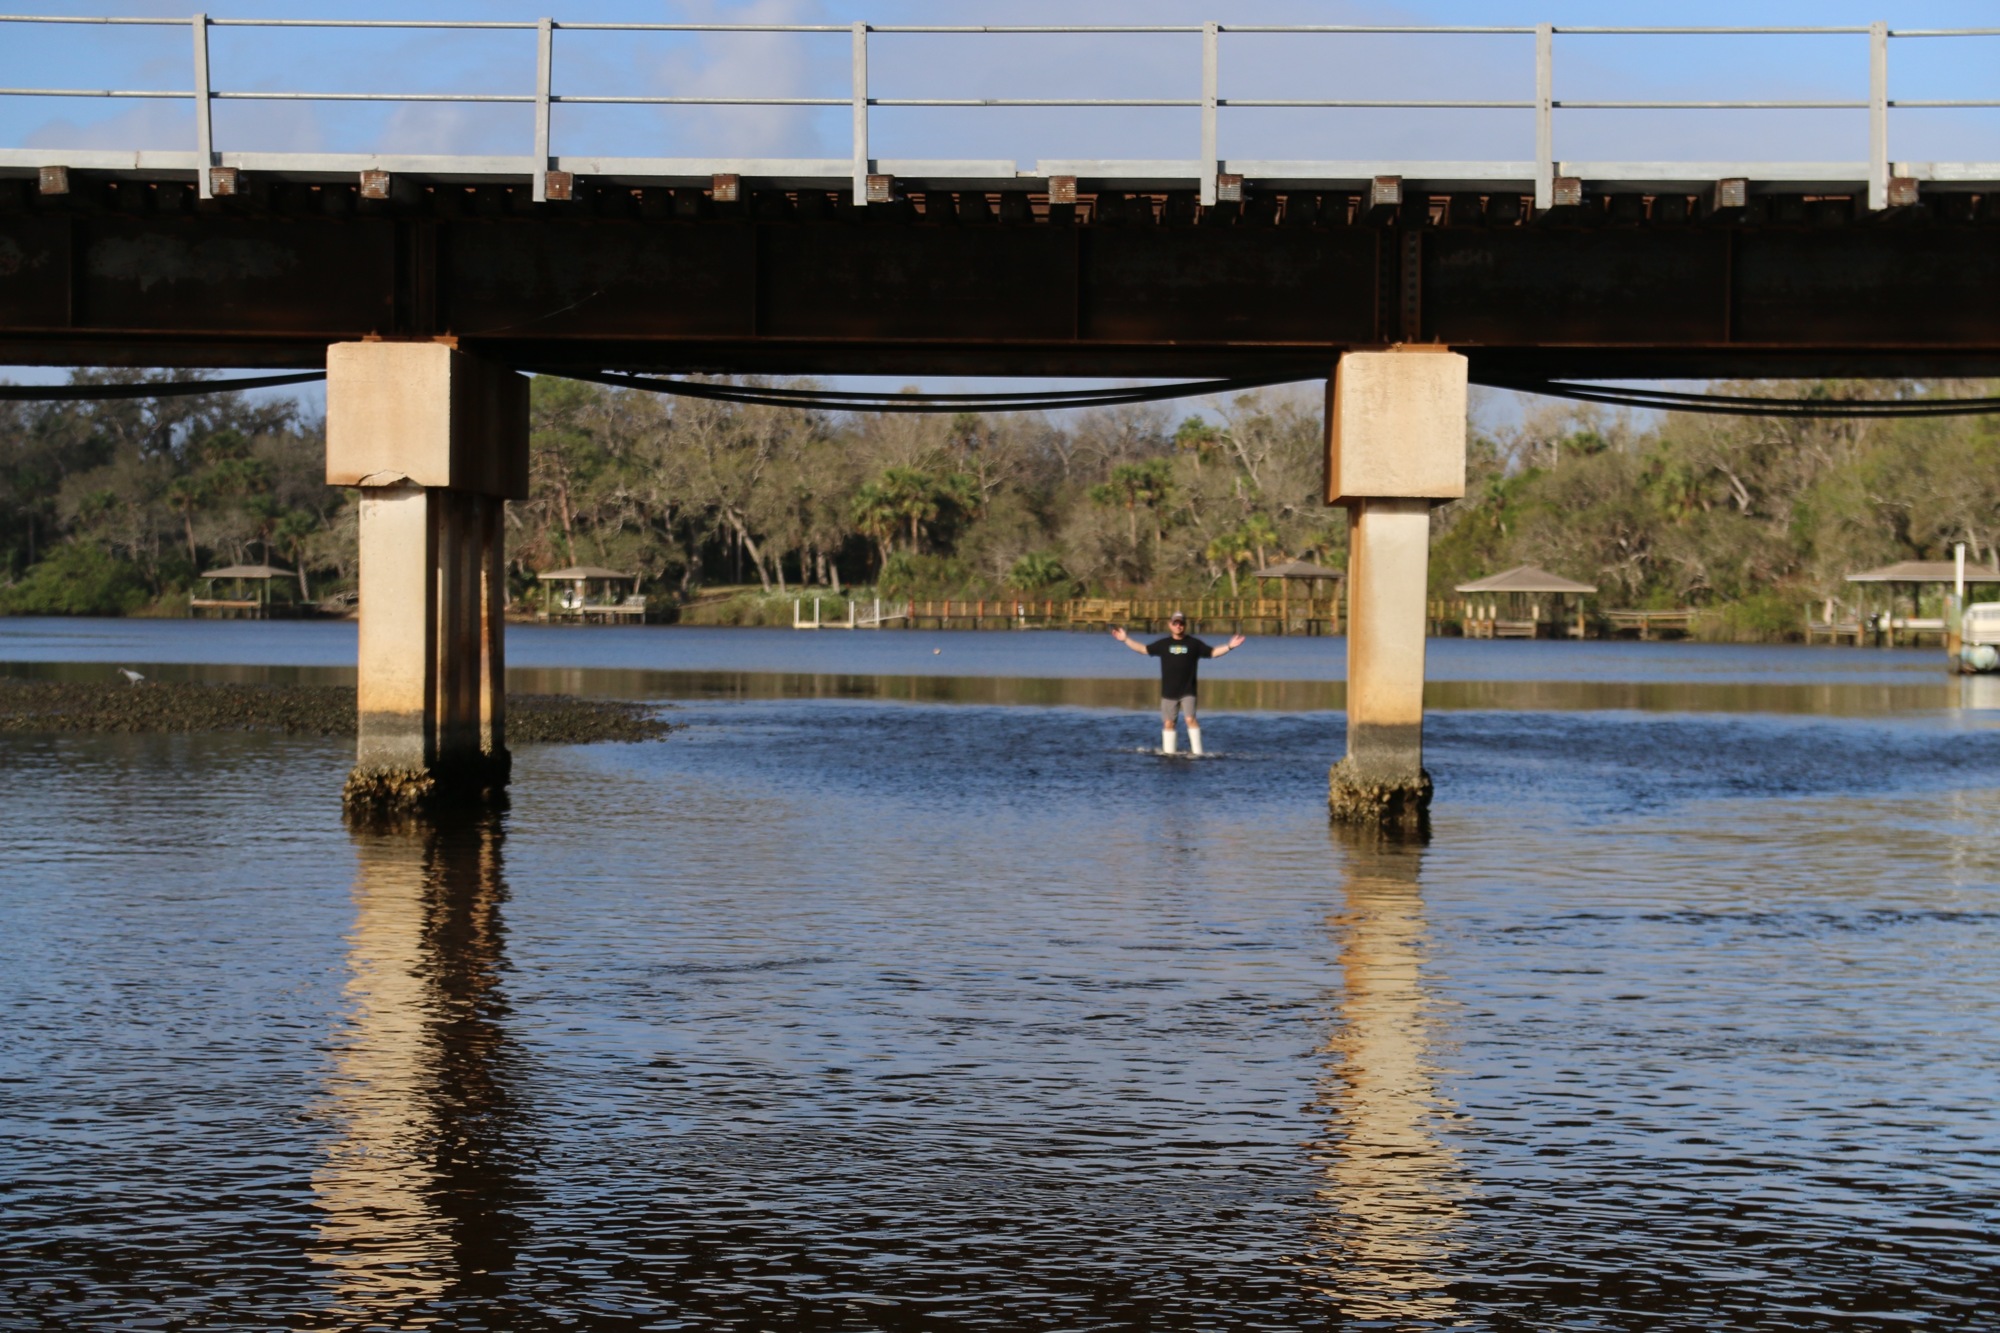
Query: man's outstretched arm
1236,642
1118,633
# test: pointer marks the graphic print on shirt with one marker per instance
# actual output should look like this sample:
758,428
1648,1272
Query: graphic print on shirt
1179,661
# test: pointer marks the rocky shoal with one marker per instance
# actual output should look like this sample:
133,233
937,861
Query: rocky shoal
299,710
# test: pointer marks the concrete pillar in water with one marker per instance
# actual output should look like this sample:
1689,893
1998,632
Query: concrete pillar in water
437,440
1395,447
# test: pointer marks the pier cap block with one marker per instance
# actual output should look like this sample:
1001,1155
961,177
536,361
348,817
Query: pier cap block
1395,425
427,414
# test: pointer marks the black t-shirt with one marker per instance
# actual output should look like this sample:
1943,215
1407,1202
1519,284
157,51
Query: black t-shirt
1178,661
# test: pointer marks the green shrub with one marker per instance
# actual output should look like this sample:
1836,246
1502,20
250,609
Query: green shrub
76,580
169,605
925,576
743,609
1763,617
1043,574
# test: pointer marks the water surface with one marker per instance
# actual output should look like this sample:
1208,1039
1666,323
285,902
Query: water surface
852,1012
1038,667
1042,654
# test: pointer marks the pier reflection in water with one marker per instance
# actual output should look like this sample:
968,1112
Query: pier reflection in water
871,1014
417,1191
1394,1193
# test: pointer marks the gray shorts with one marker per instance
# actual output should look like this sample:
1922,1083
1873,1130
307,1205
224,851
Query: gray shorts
1171,708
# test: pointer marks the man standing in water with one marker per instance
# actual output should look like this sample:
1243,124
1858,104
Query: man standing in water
1179,657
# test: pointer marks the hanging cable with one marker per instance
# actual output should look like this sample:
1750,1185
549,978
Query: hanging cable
1051,400
90,393
838,400
1672,400
1713,404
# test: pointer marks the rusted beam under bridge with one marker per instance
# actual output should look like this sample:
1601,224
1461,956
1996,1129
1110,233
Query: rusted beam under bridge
125,271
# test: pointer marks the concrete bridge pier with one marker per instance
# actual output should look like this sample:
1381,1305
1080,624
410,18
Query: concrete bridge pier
437,440
1395,447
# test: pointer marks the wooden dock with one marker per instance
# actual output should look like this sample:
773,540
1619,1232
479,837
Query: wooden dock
225,608
632,610
1910,629
1505,629
1233,615
1651,624
1835,631
1480,618
879,616
1879,631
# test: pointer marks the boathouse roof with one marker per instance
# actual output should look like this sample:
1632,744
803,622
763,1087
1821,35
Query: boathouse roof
247,572
1298,569
1923,571
576,572
1526,578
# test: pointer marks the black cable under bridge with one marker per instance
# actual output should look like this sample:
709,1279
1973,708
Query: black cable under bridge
1046,400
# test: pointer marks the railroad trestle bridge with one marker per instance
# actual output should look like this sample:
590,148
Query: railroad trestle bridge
423,284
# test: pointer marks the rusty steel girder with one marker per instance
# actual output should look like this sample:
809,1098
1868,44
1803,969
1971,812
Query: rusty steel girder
84,283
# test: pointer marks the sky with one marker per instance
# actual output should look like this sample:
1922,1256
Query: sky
1787,67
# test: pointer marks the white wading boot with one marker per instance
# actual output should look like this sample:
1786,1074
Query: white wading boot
1168,742
1194,739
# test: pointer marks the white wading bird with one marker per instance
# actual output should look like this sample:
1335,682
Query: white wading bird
130,675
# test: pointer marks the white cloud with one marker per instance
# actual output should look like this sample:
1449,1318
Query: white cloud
746,65
120,125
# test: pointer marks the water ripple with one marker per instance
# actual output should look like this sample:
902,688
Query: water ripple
887,1016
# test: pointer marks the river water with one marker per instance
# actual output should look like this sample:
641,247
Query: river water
902,988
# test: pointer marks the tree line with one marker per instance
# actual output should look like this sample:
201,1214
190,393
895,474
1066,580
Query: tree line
1753,517
116,507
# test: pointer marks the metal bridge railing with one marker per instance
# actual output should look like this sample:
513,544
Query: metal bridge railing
1210,178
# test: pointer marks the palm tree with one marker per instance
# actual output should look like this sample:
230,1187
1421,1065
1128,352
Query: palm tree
1156,492
961,491
292,533
915,497
1199,438
1136,485
187,494
1229,550
876,517
1260,536
264,515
